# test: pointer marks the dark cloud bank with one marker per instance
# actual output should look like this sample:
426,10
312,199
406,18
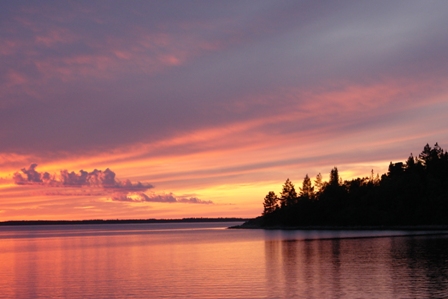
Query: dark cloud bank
105,181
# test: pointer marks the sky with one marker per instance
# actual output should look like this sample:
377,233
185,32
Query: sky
172,109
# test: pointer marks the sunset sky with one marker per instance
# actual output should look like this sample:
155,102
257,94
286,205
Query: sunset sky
171,109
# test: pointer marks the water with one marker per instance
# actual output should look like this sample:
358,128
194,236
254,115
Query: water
205,260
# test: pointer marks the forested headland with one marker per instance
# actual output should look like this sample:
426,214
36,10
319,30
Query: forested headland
411,193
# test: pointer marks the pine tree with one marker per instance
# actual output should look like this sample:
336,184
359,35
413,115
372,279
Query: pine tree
270,203
410,163
334,177
425,155
436,152
288,195
318,184
307,190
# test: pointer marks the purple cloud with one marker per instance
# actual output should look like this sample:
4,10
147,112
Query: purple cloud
33,177
194,200
94,179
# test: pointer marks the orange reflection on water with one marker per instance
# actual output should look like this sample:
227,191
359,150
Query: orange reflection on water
7,266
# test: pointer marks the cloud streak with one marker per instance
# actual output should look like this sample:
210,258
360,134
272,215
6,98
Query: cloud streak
164,198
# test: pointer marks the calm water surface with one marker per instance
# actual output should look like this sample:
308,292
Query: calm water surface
205,260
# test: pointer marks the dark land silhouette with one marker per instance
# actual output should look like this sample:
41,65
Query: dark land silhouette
411,194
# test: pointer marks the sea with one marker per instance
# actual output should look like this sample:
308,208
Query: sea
207,260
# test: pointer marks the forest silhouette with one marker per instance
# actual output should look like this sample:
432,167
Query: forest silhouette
411,193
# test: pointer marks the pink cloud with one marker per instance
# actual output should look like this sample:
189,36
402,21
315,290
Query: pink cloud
95,54
52,36
71,192
153,197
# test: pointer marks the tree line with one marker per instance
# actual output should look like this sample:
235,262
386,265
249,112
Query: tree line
414,192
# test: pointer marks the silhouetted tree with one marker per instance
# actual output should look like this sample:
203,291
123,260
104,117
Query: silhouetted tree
307,190
434,160
318,183
436,152
395,169
334,177
288,195
425,155
410,162
270,203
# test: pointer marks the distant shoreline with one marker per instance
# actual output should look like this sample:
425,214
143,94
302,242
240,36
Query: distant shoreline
117,221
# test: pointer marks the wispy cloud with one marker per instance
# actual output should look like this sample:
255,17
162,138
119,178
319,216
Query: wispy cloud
152,197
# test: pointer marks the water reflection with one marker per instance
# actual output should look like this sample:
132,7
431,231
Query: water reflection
424,262
389,267
273,264
203,262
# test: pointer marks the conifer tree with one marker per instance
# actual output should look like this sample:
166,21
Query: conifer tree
307,190
410,163
334,177
288,195
425,155
436,152
270,203
318,183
